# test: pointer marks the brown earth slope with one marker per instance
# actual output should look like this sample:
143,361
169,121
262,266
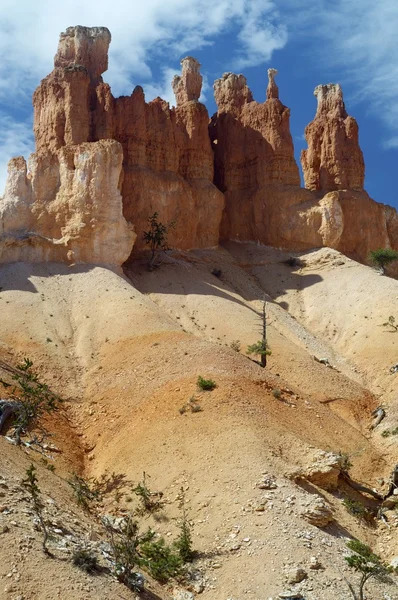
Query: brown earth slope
126,352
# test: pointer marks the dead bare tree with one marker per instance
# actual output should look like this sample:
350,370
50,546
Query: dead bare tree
261,347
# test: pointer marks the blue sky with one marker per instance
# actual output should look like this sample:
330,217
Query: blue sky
353,42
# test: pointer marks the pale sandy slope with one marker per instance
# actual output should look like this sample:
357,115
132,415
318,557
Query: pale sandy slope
127,352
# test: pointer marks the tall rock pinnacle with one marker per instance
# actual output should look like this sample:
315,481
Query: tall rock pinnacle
272,89
86,47
333,160
231,93
188,86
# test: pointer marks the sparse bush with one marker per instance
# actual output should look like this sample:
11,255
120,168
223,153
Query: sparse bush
31,485
386,433
85,560
183,544
344,462
235,345
191,405
151,501
357,509
29,399
276,392
391,323
383,257
368,564
161,560
206,385
156,238
85,490
124,545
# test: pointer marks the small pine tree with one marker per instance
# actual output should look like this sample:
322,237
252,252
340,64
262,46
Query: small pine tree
368,564
32,487
156,238
383,257
161,560
151,501
183,543
86,491
124,545
30,399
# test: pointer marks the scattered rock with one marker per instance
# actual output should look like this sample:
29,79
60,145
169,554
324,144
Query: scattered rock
318,513
295,575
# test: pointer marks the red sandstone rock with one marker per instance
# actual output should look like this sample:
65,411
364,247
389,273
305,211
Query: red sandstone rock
67,204
189,86
68,208
334,159
86,47
231,93
253,152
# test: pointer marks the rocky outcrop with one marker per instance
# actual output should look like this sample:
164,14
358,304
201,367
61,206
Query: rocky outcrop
167,156
333,160
188,86
235,178
63,102
256,170
317,512
68,209
254,159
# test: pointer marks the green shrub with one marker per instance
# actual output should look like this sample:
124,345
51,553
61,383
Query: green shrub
357,509
277,393
206,385
368,564
261,349
86,491
183,544
85,560
151,501
383,257
161,560
156,238
31,399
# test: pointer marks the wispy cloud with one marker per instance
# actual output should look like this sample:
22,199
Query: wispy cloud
142,32
16,139
358,38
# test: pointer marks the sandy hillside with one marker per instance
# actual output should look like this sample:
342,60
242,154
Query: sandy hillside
126,350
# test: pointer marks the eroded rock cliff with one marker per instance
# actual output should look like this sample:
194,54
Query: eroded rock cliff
333,160
103,165
68,208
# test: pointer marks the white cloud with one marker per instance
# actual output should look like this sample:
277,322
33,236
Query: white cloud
16,139
141,32
261,34
359,39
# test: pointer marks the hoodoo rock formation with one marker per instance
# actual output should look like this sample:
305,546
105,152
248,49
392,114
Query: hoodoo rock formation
103,165
66,206
334,160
